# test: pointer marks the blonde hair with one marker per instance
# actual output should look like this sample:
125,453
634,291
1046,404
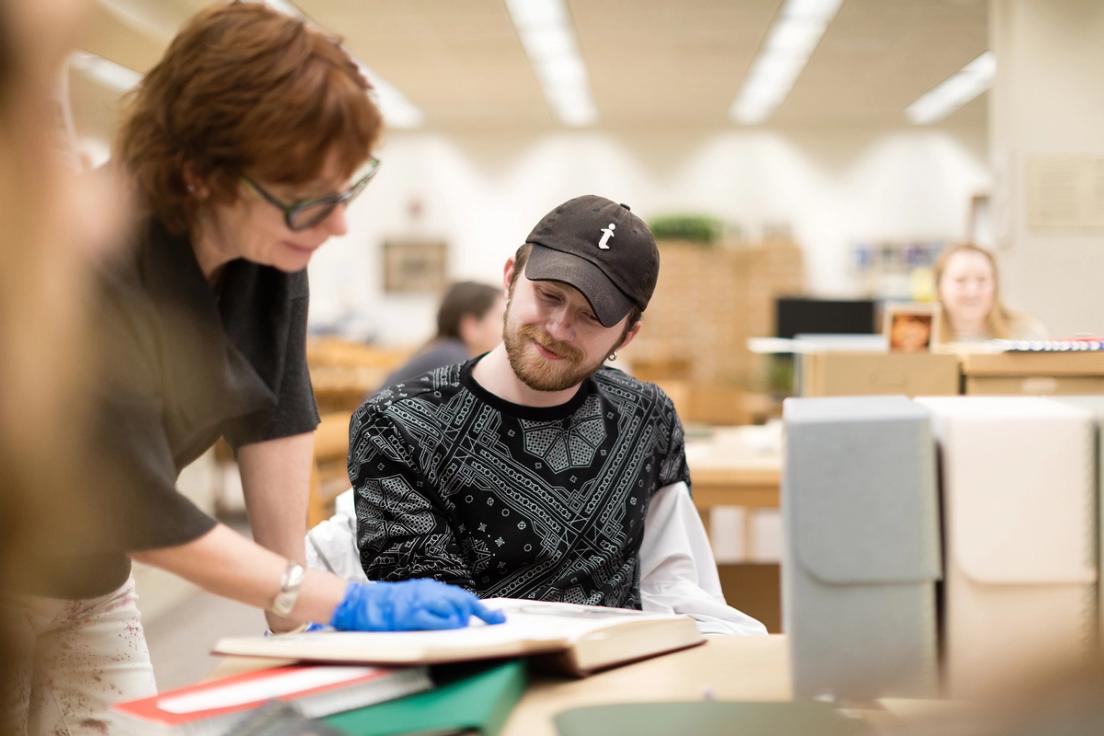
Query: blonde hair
999,319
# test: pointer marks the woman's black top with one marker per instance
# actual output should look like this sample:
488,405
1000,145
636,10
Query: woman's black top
186,363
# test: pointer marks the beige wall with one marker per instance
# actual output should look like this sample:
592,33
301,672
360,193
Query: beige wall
1048,98
483,192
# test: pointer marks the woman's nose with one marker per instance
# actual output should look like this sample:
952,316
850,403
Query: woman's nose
336,222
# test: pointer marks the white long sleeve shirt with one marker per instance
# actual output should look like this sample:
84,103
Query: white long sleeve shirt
677,571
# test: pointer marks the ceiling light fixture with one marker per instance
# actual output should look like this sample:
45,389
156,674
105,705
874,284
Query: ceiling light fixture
966,84
789,44
105,72
543,28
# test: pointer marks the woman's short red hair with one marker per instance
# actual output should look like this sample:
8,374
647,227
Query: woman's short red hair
243,88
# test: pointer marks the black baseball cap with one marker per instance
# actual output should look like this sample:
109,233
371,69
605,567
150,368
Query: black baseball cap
602,249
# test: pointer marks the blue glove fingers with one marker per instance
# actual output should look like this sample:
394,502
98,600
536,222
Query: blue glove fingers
467,605
487,615
427,621
409,605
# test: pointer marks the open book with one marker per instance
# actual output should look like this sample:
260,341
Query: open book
578,639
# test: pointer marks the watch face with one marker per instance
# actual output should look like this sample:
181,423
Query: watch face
289,589
284,602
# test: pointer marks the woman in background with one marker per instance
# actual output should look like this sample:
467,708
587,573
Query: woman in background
469,323
967,285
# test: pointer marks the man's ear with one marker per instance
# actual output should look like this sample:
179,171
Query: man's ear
507,277
631,334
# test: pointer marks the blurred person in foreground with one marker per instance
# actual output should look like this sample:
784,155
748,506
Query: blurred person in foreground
967,285
241,149
469,323
535,471
56,224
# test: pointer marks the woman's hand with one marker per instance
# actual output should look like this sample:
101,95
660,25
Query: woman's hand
411,605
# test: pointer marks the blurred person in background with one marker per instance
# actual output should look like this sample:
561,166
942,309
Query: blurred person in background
469,323
241,149
967,286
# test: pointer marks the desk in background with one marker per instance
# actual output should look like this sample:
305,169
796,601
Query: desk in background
735,466
845,373
741,466
848,373
1039,374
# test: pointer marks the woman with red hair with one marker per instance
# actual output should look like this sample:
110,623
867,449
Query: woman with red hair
242,147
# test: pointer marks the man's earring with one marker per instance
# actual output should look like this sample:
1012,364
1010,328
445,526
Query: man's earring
611,357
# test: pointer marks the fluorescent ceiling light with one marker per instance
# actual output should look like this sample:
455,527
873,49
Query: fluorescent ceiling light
397,110
284,7
814,10
794,37
542,26
973,79
548,42
567,71
104,71
141,17
537,13
788,46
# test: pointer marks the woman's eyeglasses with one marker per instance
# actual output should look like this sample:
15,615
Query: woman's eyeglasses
309,212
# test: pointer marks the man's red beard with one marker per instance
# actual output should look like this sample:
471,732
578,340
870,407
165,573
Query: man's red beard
542,374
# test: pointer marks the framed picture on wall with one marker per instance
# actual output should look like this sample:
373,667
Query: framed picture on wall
414,266
911,328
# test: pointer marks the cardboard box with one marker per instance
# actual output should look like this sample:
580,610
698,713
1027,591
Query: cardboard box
861,513
1018,481
1037,374
839,373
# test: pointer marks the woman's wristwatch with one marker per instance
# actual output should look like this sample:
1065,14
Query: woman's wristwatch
285,600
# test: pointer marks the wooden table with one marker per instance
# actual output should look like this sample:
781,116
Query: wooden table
741,466
725,668
735,466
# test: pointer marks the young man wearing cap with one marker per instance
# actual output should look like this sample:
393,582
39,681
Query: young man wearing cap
533,471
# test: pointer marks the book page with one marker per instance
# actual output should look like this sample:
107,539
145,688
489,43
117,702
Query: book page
569,620
530,627
534,621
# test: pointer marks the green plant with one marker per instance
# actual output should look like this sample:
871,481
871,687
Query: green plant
695,228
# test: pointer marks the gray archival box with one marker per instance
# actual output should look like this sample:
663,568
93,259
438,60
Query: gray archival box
861,512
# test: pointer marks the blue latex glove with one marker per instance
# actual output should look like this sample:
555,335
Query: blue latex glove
411,605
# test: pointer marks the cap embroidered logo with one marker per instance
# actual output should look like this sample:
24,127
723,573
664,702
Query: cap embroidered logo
607,233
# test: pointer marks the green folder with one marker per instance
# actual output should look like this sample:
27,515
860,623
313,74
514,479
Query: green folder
709,718
467,697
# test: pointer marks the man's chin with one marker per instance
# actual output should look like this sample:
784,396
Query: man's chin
538,382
